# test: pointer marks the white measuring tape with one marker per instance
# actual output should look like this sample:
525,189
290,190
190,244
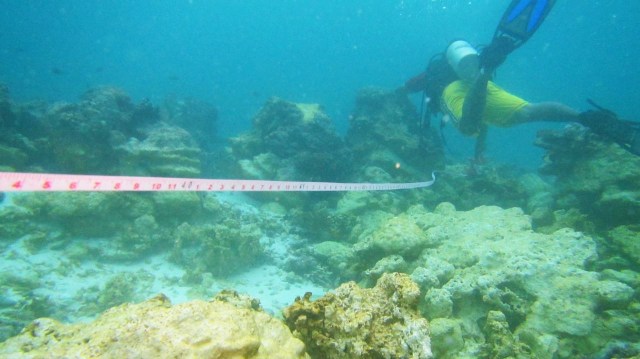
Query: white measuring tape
31,182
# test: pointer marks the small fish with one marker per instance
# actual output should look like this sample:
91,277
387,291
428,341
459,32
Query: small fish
57,71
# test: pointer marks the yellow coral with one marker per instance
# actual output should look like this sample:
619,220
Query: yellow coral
157,329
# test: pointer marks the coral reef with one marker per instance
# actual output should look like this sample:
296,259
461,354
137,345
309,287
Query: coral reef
501,343
385,135
139,224
166,151
106,133
5,107
291,141
20,302
155,328
220,250
399,235
198,118
469,264
553,276
592,176
76,214
19,126
81,137
12,158
120,288
627,239
208,238
352,322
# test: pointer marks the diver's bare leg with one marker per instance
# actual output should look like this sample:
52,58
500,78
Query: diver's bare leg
546,111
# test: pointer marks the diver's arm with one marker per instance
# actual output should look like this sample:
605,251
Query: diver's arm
474,104
481,142
417,83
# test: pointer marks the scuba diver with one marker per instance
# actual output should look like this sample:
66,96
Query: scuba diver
458,84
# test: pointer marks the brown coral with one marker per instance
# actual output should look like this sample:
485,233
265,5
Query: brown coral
352,322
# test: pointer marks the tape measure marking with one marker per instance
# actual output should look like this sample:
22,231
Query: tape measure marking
46,182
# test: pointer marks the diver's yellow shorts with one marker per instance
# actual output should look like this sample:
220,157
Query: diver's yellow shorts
498,111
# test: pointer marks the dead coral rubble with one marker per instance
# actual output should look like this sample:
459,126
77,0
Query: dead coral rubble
352,322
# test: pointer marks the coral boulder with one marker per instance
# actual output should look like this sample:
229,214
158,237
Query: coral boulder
157,329
352,322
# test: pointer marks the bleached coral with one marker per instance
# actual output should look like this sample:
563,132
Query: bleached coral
470,263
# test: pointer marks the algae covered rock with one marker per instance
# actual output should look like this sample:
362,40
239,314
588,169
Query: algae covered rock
352,322
336,254
12,157
291,141
106,133
593,176
385,133
489,278
392,263
219,249
399,235
81,137
82,213
501,343
627,238
538,282
446,337
157,329
199,118
15,222
166,151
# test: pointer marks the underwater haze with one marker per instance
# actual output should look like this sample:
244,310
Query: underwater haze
533,253
236,54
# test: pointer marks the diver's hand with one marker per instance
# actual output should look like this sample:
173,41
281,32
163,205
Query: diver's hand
494,55
475,166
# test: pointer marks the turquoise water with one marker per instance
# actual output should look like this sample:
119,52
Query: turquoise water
185,89
237,54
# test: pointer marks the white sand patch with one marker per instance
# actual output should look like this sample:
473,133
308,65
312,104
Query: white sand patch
72,284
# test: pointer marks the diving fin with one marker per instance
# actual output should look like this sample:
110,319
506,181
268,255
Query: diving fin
521,20
606,123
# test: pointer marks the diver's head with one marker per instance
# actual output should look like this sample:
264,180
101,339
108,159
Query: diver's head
464,60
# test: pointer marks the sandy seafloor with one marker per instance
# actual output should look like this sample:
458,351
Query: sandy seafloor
273,286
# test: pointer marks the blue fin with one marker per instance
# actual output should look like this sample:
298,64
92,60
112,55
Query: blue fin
522,18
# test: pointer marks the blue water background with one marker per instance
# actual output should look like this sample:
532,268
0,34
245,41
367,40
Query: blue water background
236,54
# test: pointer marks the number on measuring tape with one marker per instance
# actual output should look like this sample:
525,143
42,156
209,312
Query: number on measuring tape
29,182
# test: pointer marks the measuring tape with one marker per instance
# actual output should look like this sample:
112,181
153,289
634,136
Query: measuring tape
39,182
